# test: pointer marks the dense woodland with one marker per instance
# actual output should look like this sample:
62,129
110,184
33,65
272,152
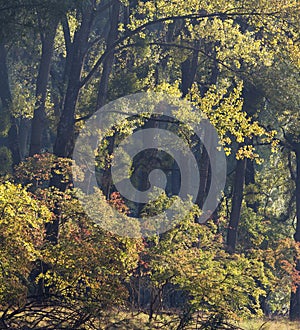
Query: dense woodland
61,61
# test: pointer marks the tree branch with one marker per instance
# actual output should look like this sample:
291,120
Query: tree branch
162,20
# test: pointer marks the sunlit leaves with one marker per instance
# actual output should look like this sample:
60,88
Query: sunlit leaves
22,222
192,257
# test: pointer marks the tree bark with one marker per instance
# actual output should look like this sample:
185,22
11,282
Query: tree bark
24,136
204,159
252,101
250,179
237,199
204,177
39,117
188,72
295,295
103,87
109,61
5,93
64,142
6,99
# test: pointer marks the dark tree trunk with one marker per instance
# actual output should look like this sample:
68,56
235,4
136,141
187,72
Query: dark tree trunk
244,169
250,179
14,141
295,295
188,72
237,199
108,62
39,117
106,179
204,177
297,233
6,99
5,93
24,136
64,142
204,159
103,87
250,172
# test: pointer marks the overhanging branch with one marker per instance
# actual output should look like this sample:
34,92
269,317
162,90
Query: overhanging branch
131,33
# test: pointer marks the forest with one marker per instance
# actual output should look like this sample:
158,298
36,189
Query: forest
149,164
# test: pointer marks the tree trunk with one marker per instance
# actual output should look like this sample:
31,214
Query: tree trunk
103,87
64,142
250,179
237,199
204,178
6,99
253,99
5,93
204,159
295,295
188,72
24,136
39,117
108,62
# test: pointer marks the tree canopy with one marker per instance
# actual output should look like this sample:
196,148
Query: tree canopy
235,62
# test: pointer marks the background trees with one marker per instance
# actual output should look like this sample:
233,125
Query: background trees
60,61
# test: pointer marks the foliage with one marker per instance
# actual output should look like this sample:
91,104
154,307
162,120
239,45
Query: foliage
212,53
5,160
191,256
22,221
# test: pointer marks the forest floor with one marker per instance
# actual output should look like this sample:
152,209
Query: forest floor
124,320
269,325
140,321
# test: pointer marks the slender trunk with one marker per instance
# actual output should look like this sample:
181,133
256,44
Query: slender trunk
24,136
295,295
103,88
106,179
5,93
39,117
204,178
188,72
108,62
62,86
14,141
250,180
237,199
254,205
6,99
297,233
253,99
204,159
